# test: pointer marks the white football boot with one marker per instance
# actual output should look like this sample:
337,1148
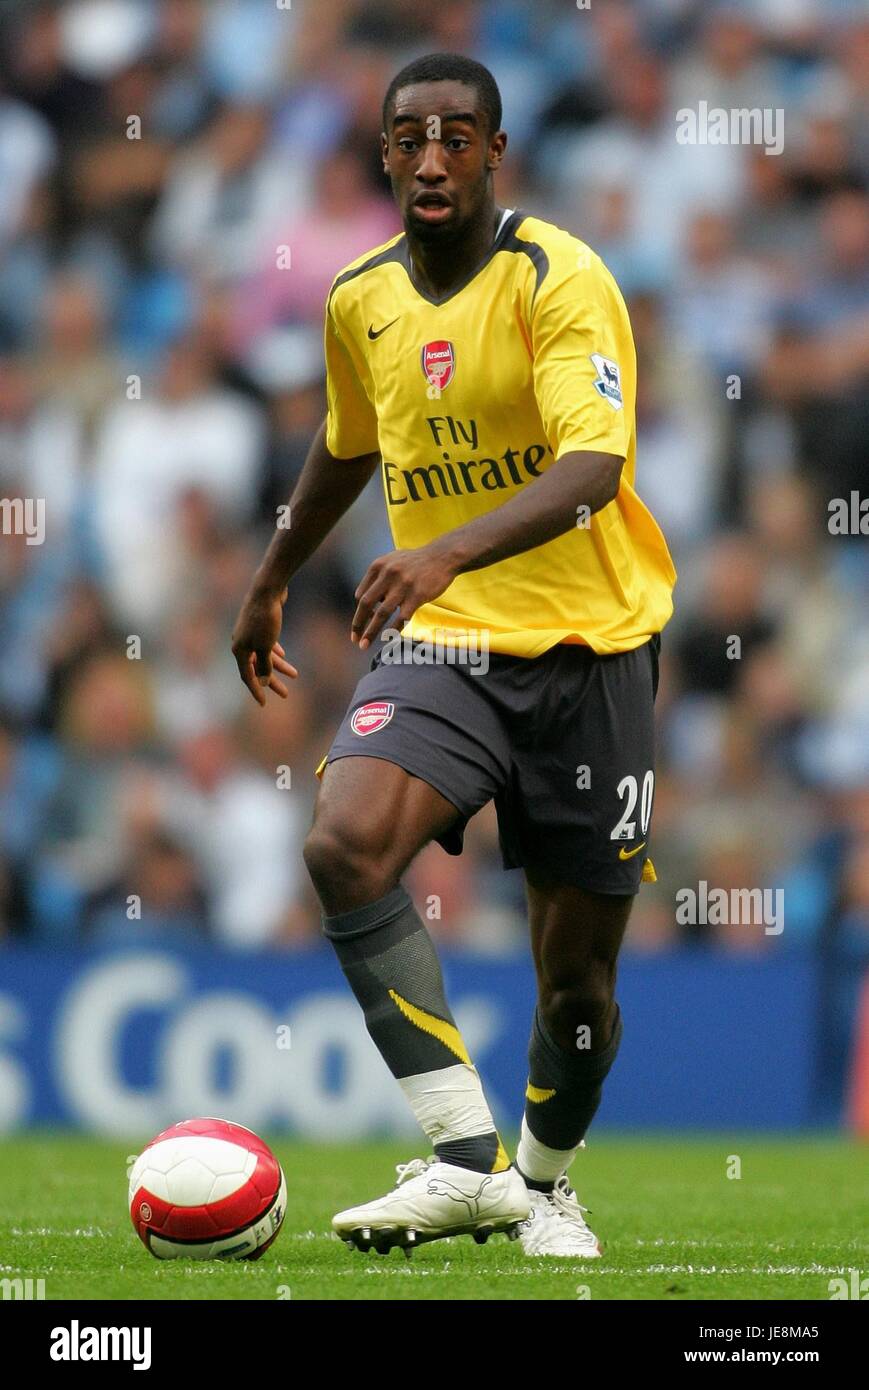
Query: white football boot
556,1225
432,1200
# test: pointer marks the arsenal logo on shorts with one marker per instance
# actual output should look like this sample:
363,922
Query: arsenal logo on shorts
367,719
439,363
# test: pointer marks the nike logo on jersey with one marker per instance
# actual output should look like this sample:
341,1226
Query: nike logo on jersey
376,332
629,853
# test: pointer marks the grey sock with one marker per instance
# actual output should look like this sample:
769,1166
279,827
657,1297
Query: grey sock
570,1086
391,965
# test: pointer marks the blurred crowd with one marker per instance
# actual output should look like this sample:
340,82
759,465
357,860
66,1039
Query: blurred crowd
181,180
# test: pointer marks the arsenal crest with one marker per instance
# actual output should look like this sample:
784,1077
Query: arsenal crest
439,363
370,718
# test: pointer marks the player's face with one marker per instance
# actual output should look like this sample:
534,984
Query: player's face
439,155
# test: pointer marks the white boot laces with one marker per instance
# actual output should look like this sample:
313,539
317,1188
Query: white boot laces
414,1169
566,1204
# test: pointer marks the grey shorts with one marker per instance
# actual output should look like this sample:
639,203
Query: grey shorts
563,743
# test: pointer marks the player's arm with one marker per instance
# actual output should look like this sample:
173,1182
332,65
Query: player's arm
573,488
327,487
342,458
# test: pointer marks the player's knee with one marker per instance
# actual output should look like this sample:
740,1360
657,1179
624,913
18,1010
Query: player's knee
587,1005
345,869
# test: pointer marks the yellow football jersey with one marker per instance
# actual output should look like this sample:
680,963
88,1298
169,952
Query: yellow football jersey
471,396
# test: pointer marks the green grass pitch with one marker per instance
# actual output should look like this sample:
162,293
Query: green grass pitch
673,1226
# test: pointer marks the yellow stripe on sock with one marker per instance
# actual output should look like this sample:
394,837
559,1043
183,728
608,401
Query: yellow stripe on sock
446,1033
502,1159
537,1095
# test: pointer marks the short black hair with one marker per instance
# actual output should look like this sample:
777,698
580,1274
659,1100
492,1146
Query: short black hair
449,67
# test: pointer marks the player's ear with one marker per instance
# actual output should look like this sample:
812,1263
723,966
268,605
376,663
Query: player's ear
384,150
497,146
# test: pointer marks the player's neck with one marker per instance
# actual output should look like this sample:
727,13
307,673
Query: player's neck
438,269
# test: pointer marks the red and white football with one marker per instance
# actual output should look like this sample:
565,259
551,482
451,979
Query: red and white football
207,1189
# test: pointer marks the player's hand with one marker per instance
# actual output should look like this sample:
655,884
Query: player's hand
256,648
403,580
